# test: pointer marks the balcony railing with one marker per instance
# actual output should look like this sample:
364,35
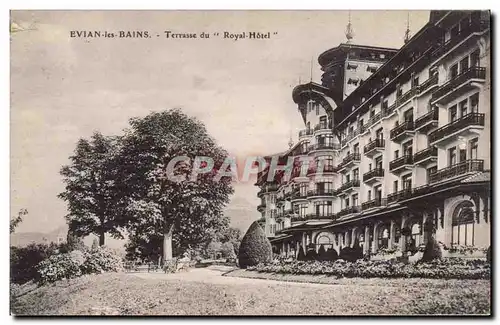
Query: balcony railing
400,129
377,172
374,119
401,161
428,83
316,169
377,143
407,95
424,119
350,136
320,216
322,146
471,73
475,26
322,126
349,159
318,192
377,202
305,132
422,155
388,111
261,206
400,195
348,210
471,119
297,195
268,188
348,185
467,166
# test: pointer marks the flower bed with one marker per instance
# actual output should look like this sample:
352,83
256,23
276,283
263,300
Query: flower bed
439,269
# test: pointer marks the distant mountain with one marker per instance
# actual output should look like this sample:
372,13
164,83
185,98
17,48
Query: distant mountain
242,213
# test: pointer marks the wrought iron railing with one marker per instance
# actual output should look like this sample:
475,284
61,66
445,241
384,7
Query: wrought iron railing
377,143
401,161
424,119
467,166
425,154
450,85
377,202
471,119
377,172
398,130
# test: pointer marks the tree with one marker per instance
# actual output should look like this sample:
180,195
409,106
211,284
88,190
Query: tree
14,222
168,202
233,236
227,250
91,190
255,248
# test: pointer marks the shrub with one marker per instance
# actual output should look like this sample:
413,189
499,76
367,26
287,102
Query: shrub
170,266
23,261
432,251
455,268
331,255
100,260
311,255
58,267
322,256
488,254
255,248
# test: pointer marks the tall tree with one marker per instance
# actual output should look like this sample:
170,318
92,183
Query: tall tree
91,191
160,204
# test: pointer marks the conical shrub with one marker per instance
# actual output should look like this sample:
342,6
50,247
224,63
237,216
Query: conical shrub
322,253
255,248
301,256
432,251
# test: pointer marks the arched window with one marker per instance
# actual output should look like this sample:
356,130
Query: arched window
324,240
462,224
416,235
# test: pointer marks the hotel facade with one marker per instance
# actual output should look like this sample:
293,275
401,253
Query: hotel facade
395,145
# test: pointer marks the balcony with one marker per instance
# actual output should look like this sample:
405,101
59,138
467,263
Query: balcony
261,207
465,125
474,27
400,195
406,96
459,84
432,81
389,110
349,160
298,195
462,168
374,119
426,122
318,128
320,216
324,146
402,131
373,175
327,169
350,136
401,164
305,133
426,156
348,186
297,218
373,147
348,210
267,189
375,203
320,192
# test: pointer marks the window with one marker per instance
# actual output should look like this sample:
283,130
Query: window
395,186
379,133
369,195
378,162
355,200
474,103
383,237
408,115
453,113
430,171
361,123
396,154
414,82
473,148
474,58
323,121
408,148
385,104
317,109
463,155
378,192
356,148
462,224
463,108
347,202
452,156
399,91
454,71
370,166
407,182
464,64
303,210
347,178
355,174
324,208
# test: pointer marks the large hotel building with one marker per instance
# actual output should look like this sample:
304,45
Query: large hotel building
396,138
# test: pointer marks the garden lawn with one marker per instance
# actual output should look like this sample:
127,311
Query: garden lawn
161,294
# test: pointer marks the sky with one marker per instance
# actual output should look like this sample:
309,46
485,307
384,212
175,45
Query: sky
64,88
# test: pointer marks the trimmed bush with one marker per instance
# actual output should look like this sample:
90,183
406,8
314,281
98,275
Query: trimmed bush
454,268
311,255
100,260
255,248
331,255
322,256
432,251
301,256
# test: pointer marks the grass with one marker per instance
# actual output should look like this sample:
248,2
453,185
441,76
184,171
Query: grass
127,294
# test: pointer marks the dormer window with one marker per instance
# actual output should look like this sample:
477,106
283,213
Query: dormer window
352,66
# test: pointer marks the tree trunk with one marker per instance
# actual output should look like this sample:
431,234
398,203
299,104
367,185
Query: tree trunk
101,238
167,242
